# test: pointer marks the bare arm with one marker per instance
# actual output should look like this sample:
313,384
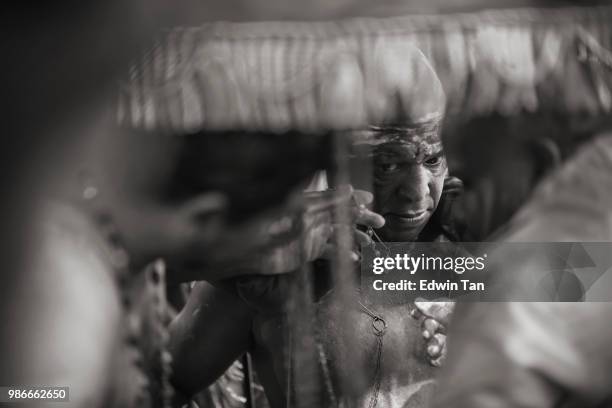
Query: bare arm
212,330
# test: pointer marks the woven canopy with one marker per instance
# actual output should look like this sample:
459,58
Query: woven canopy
350,74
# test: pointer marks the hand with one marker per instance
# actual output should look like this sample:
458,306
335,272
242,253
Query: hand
434,317
360,214
269,292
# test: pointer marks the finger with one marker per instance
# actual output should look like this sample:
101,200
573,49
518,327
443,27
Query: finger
440,310
436,347
437,362
436,340
435,309
316,201
361,238
369,218
315,241
362,214
434,351
416,314
440,339
431,327
363,197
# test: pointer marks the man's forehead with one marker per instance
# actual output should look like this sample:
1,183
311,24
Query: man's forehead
414,150
427,132
414,142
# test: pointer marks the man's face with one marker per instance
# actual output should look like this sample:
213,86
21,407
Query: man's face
408,181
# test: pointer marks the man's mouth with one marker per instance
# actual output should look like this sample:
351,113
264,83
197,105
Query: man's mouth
409,218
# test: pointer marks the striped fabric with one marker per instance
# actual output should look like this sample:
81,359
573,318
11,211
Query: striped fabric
348,74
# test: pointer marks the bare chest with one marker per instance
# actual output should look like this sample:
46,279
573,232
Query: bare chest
358,356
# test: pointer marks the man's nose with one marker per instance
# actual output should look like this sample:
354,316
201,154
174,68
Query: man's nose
414,186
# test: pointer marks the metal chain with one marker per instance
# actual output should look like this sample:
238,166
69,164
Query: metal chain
379,327
379,332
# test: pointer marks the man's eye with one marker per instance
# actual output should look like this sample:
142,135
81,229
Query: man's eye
388,167
433,161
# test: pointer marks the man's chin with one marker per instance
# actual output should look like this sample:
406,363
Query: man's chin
400,234
399,229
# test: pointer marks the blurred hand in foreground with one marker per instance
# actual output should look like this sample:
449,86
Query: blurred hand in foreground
515,354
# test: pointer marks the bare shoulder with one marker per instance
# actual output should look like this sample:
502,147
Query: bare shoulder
72,315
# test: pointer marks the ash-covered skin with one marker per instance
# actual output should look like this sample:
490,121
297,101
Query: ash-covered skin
409,173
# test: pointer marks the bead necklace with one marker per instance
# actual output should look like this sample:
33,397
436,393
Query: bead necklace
120,263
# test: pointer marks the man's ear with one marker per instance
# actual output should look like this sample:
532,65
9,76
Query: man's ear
547,155
453,187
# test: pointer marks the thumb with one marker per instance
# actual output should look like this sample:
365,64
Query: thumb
438,310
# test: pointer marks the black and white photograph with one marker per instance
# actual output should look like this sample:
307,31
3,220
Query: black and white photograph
293,204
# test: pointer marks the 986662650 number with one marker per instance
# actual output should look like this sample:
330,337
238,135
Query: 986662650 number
29,393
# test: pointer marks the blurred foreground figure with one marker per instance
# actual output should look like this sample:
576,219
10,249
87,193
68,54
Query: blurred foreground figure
56,299
541,354
148,195
93,205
